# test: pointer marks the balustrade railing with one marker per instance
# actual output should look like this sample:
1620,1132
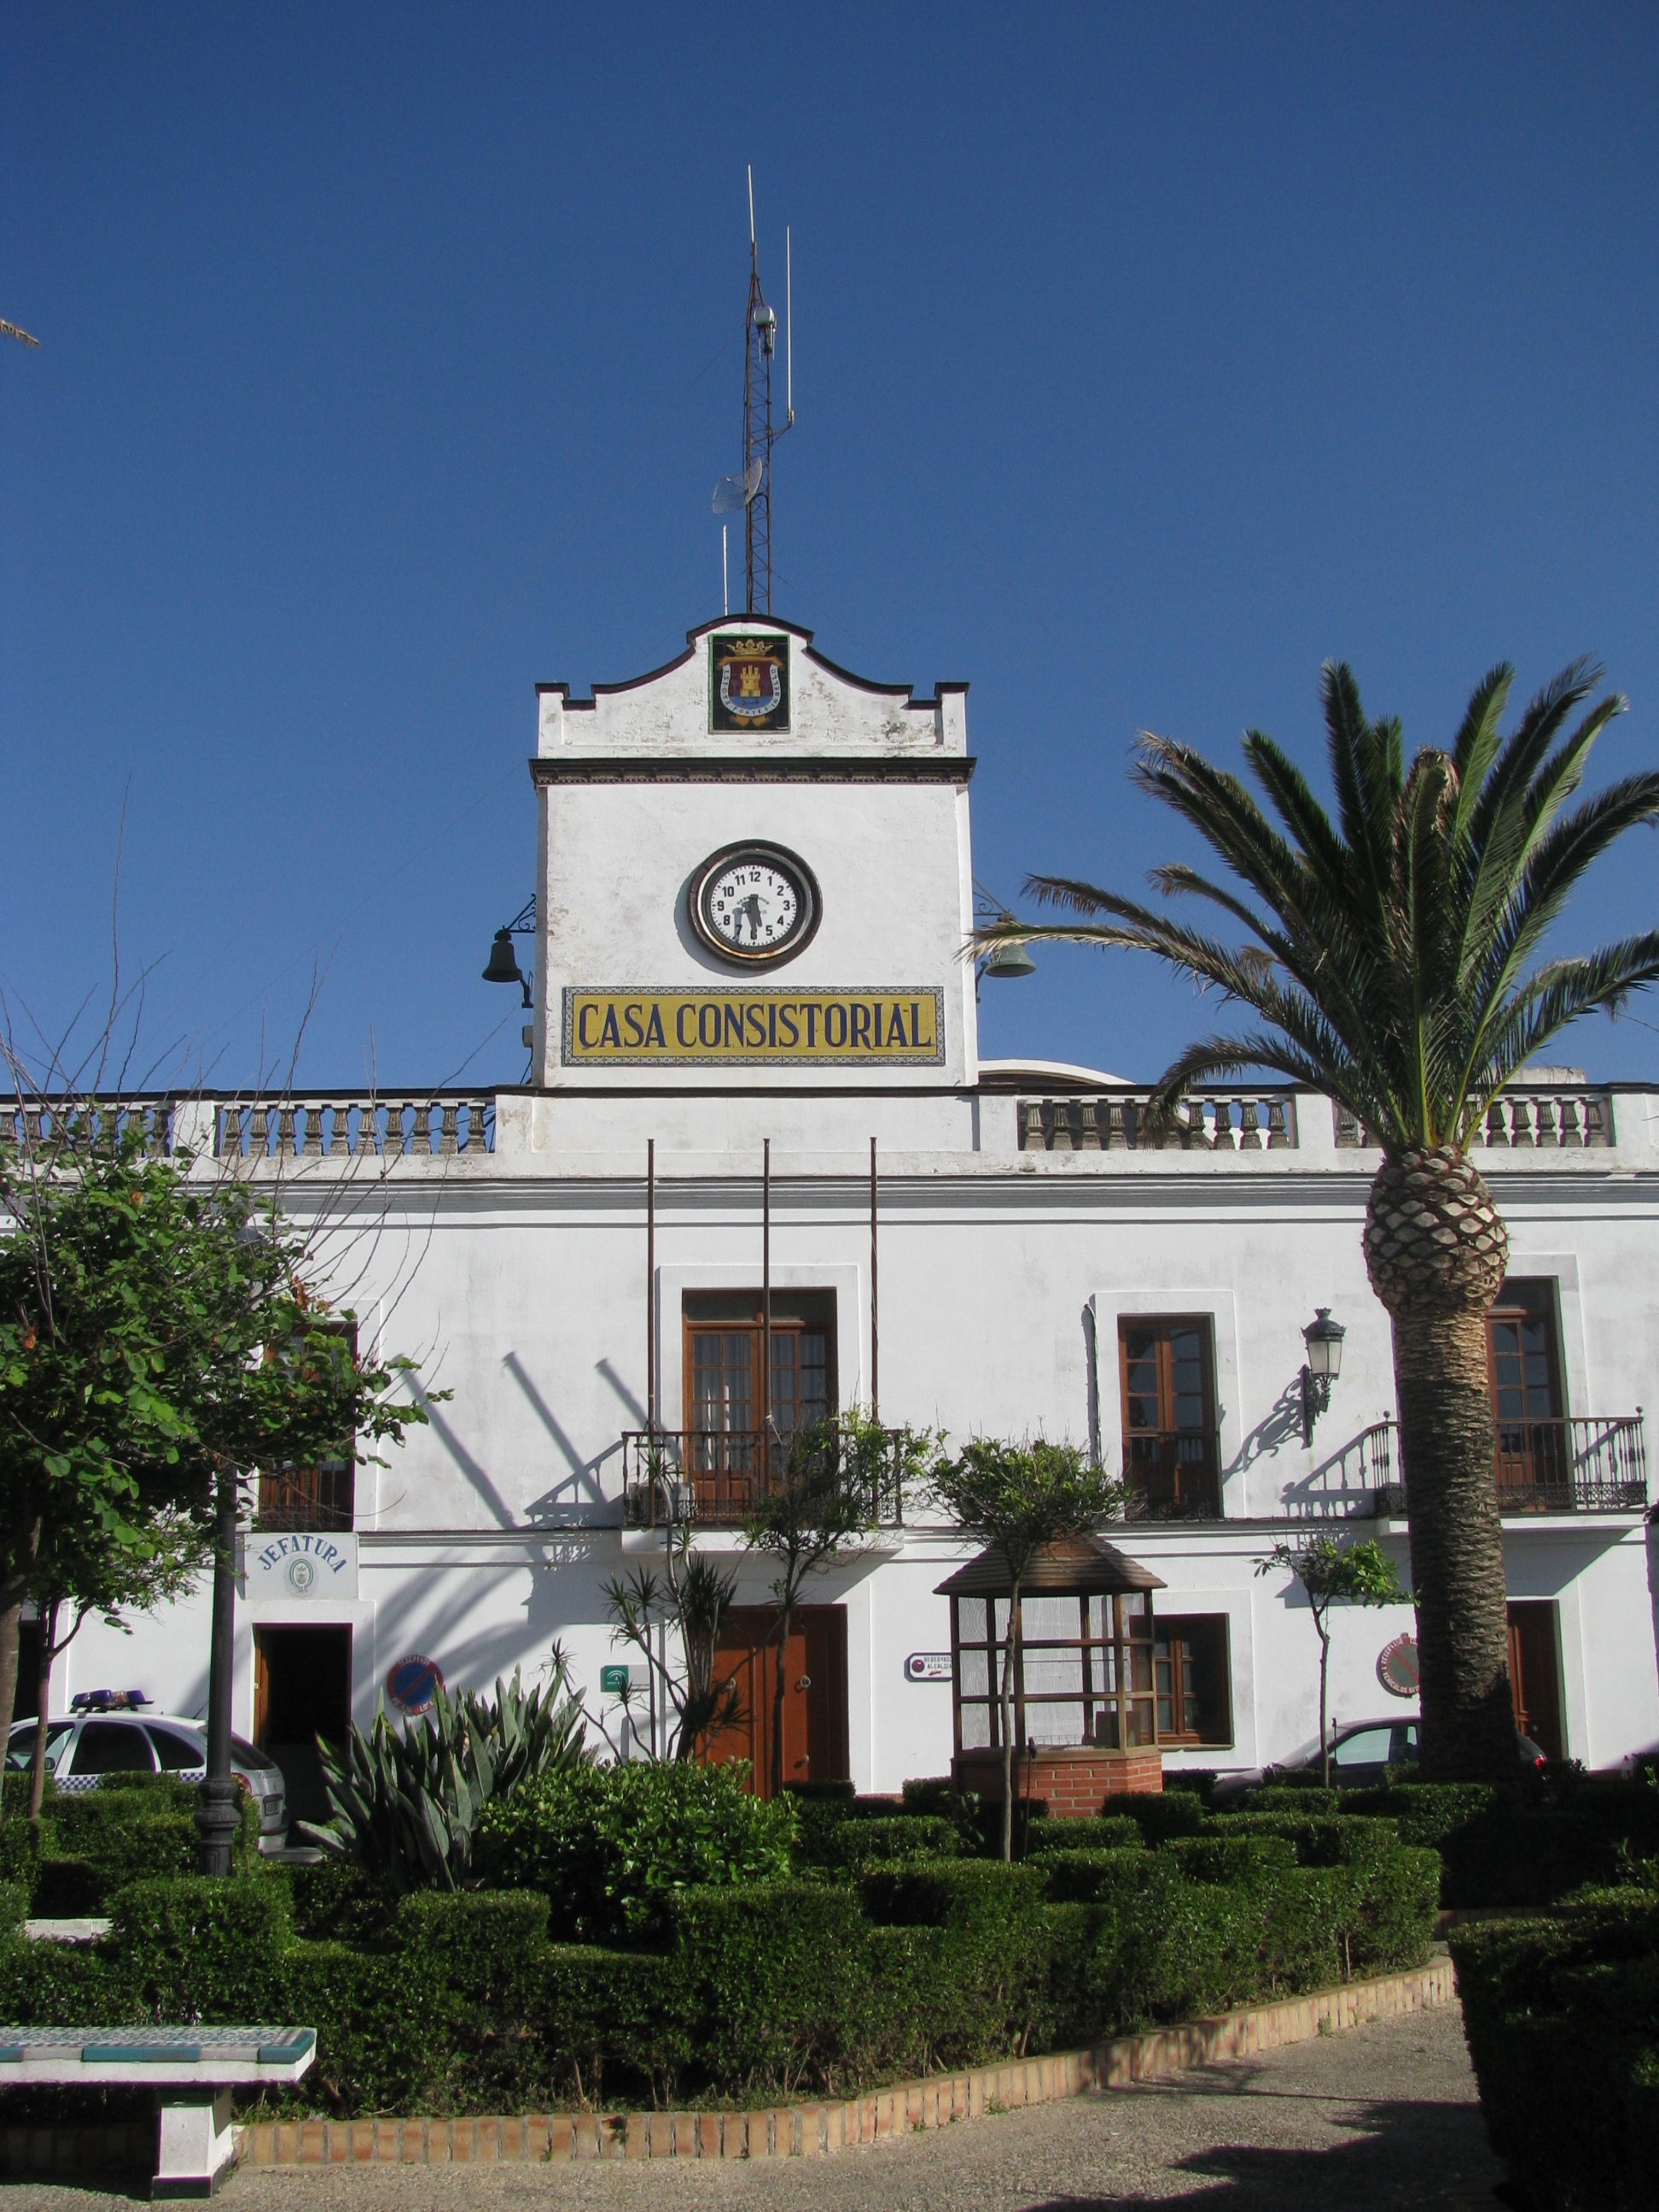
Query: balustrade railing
1579,1463
42,1126
432,1126
1236,1121
715,1477
1551,1118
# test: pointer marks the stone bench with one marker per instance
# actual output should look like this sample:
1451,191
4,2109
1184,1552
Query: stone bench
192,2069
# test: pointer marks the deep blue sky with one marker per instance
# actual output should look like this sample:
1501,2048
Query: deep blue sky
1144,358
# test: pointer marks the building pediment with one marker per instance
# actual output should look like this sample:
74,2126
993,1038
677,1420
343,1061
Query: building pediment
752,687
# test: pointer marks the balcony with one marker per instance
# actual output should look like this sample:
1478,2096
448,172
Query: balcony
1172,1474
715,1477
1212,1120
1574,1464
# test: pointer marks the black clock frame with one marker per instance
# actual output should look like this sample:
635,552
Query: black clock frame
776,856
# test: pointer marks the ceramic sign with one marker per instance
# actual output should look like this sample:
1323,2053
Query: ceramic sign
312,1565
927,1667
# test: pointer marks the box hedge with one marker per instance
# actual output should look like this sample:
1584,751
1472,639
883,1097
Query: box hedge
457,2002
1562,2016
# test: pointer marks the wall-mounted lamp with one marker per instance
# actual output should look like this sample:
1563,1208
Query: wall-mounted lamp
1010,958
502,966
1323,1338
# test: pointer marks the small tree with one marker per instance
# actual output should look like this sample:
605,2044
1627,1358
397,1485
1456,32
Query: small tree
690,1599
1331,1573
1017,1498
827,1500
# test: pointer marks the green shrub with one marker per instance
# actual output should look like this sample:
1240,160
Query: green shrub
1562,2017
1427,1813
862,1843
612,1846
1307,1799
14,1906
823,1793
952,1894
932,1793
779,1982
1160,1814
1201,1780
192,1947
166,1792
337,1900
1099,1832
21,1846
1230,1858
1090,1877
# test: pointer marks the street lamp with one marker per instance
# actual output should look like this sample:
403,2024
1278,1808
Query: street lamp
1323,1338
503,965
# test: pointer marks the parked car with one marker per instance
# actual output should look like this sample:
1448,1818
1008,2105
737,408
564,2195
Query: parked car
1361,1755
85,1744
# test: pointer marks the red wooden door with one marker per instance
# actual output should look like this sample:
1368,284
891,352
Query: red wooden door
814,1660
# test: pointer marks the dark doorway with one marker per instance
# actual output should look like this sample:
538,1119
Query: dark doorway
302,1690
26,1704
1535,1672
814,1693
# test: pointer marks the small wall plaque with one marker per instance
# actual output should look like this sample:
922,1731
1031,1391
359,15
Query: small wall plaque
927,1667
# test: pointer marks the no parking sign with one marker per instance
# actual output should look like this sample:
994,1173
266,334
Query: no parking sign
1396,1666
414,1683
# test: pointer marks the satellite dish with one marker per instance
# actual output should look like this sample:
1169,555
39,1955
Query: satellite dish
732,493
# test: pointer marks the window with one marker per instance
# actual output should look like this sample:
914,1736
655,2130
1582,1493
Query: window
1523,1367
1366,1746
20,1751
319,1497
113,1747
176,1752
725,1358
1194,1704
1085,1671
1169,1456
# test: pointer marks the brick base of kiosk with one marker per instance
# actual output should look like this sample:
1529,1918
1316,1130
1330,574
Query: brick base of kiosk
1073,1780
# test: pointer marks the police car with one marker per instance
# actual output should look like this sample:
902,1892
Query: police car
112,1732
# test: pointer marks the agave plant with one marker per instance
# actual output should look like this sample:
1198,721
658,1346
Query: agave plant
405,1799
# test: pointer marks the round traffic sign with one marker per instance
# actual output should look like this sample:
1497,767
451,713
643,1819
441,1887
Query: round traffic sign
1396,1666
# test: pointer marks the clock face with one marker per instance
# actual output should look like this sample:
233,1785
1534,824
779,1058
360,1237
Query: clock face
754,904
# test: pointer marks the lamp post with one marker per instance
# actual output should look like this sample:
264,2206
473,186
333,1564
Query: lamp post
217,1811
1323,1338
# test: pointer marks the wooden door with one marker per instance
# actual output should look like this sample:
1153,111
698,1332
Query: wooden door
1535,1672
1166,1373
1523,1368
814,1660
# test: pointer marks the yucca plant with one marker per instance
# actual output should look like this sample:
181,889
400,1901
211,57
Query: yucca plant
1395,958
405,1799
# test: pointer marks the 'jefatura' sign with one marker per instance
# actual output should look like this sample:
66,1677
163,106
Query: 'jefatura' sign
703,1029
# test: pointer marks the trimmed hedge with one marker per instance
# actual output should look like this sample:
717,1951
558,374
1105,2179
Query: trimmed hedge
1562,2017
1098,1832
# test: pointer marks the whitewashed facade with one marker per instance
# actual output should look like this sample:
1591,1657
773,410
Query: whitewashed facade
1024,1223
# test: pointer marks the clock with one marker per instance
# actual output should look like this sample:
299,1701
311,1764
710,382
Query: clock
753,904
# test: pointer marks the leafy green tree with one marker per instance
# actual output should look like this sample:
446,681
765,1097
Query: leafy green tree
837,1477
1331,1573
1016,1498
1397,960
159,1332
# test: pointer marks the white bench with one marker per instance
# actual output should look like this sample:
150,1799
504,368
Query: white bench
195,2144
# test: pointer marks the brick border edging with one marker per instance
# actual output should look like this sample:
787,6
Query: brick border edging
796,2131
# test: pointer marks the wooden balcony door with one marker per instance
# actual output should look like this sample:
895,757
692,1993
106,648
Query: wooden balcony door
814,1661
1167,1373
727,1406
1523,1365
1535,1672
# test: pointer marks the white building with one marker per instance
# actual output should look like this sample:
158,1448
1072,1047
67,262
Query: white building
754,884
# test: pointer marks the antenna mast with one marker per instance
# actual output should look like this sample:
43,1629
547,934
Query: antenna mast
759,338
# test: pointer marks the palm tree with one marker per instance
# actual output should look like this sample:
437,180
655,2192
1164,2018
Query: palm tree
1393,958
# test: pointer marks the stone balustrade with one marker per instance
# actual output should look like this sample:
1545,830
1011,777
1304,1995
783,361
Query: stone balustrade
46,1125
1248,1120
1544,1117
352,1127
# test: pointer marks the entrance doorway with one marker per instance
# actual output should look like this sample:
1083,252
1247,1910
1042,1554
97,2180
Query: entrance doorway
1535,1672
302,1690
814,1693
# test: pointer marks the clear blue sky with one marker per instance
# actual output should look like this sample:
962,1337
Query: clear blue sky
1144,357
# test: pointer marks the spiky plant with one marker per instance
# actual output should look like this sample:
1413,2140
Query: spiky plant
1396,957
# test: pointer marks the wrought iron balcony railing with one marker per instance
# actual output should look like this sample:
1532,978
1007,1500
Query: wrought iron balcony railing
715,1477
1172,1474
1577,1463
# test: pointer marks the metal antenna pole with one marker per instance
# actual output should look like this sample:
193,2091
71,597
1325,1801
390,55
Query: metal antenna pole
766,1298
650,1286
875,1299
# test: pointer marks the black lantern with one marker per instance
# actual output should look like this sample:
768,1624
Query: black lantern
1323,1338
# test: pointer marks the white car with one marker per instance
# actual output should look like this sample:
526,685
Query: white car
86,1745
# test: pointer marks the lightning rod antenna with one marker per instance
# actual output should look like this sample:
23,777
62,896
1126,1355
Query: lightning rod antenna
788,334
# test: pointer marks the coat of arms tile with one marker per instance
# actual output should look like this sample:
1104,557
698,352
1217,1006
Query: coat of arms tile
748,681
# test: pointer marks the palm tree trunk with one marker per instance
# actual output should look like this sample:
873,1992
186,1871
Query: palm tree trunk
1436,1249
1456,1547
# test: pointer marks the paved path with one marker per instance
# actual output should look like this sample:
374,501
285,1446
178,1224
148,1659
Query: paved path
1379,2117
